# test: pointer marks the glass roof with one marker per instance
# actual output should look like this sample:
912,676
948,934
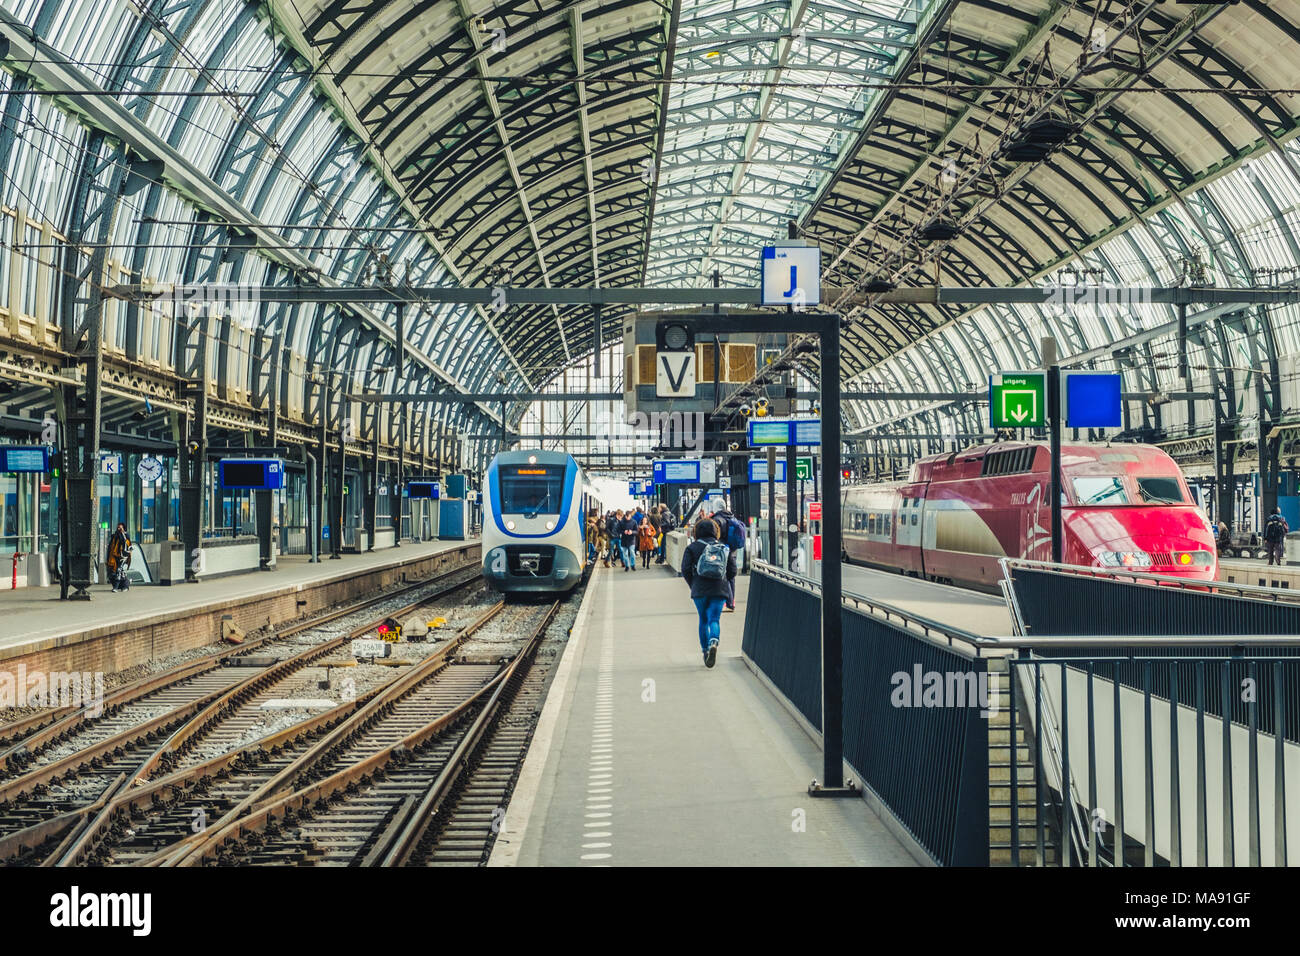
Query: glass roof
766,98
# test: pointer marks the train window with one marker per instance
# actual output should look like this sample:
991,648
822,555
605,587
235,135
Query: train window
1100,491
1161,491
531,490
914,519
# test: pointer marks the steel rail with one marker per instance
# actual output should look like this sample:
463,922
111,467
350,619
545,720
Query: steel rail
363,713
287,807
337,723
399,841
31,732
196,713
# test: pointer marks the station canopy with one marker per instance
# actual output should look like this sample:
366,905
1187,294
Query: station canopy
642,143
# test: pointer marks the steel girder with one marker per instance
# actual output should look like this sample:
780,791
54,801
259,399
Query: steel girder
1107,160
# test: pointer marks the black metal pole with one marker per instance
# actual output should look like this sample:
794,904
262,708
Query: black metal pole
771,505
791,503
832,570
1054,413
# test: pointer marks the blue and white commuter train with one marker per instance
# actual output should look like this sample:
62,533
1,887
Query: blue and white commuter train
534,522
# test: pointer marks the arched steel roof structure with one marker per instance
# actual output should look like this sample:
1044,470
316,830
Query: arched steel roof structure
635,143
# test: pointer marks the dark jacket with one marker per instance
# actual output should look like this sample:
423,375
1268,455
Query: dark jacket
706,587
627,532
611,526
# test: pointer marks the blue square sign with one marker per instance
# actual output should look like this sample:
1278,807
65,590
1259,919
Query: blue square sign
1092,400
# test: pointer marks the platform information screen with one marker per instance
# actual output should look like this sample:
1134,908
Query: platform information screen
764,432
24,458
423,488
758,470
677,471
807,431
251,474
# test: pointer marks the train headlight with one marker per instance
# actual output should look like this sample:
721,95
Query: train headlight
1125,559
550,526
510,526
532,459
1192,559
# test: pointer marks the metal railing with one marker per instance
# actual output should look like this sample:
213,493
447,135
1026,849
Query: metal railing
1132,761
1176,762
928,765
1178,711
1271,595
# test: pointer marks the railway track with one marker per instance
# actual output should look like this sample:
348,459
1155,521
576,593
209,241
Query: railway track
146,824
363,793
74,766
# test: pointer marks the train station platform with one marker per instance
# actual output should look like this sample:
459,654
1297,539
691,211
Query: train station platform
112,631
973,611
645,757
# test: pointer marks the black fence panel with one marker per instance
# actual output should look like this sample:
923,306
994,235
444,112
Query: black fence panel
927,758
1067,605
927,762
1060,604
783,637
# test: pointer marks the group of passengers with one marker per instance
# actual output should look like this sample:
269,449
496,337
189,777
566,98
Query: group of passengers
709,564
619,536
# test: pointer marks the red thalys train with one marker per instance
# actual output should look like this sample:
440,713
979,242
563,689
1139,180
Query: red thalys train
1124,506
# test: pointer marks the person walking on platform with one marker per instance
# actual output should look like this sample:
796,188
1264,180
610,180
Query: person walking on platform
666,524
709,570
627,532
646,539
733,534
593,536
119,558
602,538
611,530
1275,532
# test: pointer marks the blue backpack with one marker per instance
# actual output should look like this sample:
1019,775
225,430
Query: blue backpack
712,562
735,534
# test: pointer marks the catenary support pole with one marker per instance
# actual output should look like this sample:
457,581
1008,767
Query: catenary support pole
832,569
1054,416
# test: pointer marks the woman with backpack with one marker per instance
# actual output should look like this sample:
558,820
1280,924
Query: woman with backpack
709,570
119,558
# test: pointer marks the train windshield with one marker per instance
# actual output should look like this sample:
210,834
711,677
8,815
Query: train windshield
1100,491
531,490
1161,491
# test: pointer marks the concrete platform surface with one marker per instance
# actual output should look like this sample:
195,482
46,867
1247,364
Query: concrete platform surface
31,616
645,757
983,614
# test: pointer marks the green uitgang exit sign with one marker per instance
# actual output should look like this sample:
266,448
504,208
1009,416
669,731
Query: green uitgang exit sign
803,468
1018,399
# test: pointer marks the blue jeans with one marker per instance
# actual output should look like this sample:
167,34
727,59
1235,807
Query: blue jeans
710,610
629,555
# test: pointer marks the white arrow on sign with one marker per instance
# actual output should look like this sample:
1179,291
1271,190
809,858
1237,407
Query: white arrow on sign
1020,413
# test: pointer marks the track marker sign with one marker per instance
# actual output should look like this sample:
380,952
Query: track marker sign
1018,400
675,375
